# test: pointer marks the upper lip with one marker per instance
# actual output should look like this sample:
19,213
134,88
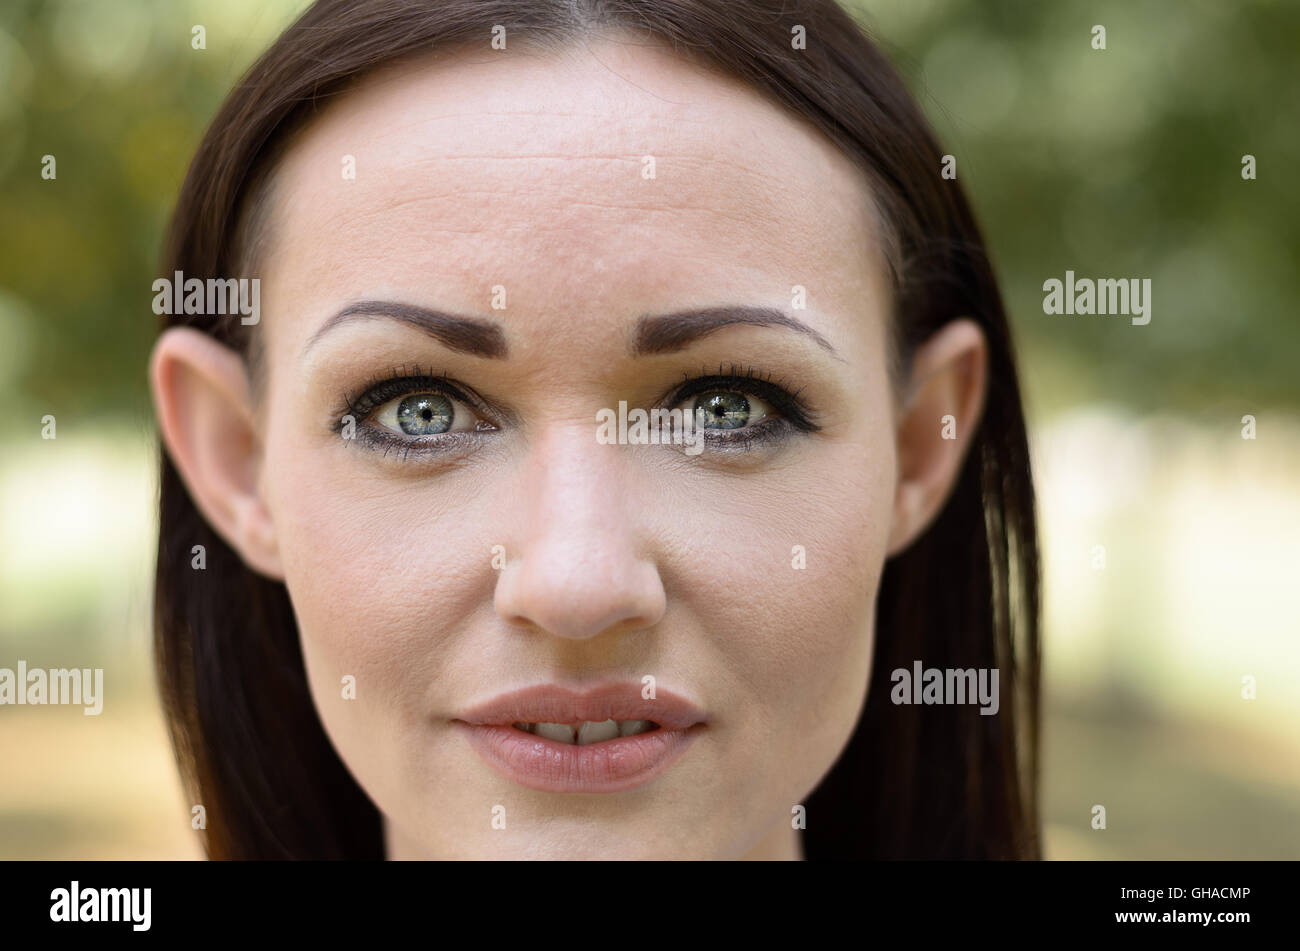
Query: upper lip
551,703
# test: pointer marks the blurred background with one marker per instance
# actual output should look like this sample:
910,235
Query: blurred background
1171,543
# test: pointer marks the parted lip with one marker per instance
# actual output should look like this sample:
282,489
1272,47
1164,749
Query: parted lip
551,703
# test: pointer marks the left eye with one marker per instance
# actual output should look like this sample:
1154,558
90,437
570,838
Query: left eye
426,414
726,409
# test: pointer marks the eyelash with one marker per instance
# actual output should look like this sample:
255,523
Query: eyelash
794,413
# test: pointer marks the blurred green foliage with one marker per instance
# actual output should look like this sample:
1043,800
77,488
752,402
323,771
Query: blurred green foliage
1127,162
116,93
1123,162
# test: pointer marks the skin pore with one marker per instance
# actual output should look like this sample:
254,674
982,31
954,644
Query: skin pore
523,171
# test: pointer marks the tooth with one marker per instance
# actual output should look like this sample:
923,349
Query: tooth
633,727
596,732
526,727
560,732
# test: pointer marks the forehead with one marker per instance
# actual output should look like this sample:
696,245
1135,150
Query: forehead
594,181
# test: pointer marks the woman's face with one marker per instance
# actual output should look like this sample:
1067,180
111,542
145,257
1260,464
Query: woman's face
571,231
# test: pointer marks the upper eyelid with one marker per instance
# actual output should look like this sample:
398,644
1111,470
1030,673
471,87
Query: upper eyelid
686,391
414,382
739,374
762,386
406,384
728,382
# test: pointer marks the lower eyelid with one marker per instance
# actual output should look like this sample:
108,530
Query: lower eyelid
385,442
767,427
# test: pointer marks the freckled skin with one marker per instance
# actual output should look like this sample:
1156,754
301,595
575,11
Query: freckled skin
524,169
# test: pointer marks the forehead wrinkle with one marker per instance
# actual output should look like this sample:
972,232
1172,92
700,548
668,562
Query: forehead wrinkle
706,158
795,204
766,229
628,119
632,123
757,217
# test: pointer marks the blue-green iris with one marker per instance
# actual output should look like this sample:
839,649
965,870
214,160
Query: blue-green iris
723,410
425,414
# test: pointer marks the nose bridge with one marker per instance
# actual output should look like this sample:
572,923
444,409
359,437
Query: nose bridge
578,567
570,490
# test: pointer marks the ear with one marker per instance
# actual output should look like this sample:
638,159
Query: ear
202,399
948,379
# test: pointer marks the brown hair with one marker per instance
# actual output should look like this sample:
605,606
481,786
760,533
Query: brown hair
914,781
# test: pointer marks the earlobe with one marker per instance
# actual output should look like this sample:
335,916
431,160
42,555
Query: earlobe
946,393
205,415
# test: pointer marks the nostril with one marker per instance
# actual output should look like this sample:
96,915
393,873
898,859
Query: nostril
579,595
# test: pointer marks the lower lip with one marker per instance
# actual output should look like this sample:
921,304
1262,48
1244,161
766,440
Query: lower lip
549,766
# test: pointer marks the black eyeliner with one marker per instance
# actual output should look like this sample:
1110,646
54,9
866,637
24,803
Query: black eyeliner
795,410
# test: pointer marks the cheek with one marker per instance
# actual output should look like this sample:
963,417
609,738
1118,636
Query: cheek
384,576
786,576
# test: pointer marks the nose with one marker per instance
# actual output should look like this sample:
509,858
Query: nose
579,565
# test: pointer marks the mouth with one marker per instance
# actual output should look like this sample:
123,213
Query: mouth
585,732
608,739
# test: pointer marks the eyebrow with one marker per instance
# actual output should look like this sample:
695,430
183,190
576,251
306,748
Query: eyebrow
666,333
480,338
654,333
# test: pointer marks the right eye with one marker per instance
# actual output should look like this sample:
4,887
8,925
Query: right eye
426,414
